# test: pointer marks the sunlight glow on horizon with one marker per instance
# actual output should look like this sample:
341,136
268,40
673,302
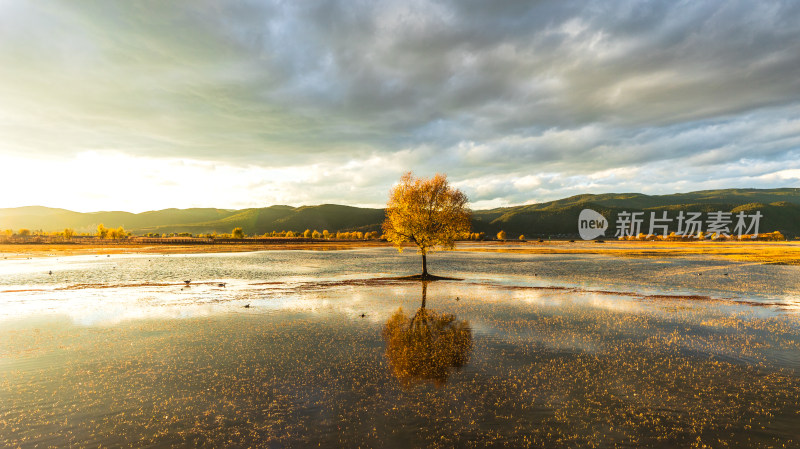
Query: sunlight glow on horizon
120,182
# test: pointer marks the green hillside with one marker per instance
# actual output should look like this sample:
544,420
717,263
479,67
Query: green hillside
283,218
780,207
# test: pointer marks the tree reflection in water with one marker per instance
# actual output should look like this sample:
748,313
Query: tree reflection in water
427,346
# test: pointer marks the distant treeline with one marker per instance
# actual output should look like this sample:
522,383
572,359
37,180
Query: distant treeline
120,234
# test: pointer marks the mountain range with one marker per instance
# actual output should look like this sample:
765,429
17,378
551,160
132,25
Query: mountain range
780,209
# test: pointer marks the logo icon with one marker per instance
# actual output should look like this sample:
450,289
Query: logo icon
591,224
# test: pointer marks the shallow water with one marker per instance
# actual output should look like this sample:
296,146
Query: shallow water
527,350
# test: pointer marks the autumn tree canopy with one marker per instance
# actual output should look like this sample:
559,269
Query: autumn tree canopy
102,231
426,212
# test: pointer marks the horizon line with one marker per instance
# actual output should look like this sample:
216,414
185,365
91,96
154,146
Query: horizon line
361,206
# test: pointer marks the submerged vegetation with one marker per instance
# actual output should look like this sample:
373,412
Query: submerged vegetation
541,368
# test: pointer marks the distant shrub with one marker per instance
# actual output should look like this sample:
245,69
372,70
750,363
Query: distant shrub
102,231
116,234
772,236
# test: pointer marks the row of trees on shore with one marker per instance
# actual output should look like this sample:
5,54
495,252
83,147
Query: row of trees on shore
118,233
237,233
674,237
66,234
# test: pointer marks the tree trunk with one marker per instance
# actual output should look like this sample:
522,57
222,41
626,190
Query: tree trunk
424,266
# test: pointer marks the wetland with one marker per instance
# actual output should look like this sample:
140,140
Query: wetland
291,348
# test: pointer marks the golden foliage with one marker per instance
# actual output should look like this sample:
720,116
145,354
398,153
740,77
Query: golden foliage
700,236
773,236
108,233
102,231
118,233
426,212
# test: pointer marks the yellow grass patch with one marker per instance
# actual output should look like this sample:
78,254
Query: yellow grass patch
17,251
783,253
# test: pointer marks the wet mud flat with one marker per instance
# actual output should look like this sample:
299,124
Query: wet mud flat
403,364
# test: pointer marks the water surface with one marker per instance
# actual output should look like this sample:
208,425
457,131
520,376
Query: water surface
303,348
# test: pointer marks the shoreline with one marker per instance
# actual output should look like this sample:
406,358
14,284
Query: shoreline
30,250
775,253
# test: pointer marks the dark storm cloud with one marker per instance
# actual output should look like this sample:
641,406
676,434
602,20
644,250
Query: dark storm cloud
497,89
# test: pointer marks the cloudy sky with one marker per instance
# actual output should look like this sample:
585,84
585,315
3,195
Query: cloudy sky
141,105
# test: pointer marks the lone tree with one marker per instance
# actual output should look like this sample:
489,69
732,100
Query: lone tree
426,212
